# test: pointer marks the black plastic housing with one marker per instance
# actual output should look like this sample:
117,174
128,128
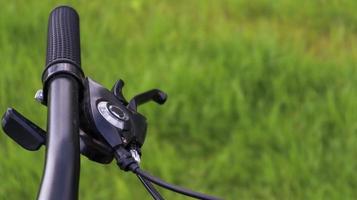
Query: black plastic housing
94,124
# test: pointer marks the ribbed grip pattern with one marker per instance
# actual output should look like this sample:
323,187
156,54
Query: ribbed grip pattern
63,42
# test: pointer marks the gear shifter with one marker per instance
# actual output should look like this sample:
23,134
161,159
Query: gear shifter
106,112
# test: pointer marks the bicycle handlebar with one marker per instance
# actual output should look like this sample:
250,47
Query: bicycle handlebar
61,82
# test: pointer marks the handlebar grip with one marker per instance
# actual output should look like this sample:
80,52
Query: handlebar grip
63,41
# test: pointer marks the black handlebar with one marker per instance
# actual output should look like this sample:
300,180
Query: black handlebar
63,42
62,79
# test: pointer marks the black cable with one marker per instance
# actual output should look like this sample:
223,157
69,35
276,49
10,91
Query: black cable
150,188
127,163
174,188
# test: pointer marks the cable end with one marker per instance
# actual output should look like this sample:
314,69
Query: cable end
125,161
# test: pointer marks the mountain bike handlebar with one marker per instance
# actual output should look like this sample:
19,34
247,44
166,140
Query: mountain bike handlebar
61,174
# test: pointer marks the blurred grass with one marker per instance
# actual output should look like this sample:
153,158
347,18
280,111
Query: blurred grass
262,94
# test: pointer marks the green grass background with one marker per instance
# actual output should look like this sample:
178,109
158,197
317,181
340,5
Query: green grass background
262,94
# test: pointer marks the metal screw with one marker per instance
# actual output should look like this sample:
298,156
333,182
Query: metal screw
39,96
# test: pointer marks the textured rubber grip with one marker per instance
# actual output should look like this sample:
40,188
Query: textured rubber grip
63,41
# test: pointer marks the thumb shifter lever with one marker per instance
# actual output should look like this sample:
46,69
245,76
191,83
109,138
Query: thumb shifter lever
118,91
27,134
152,95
